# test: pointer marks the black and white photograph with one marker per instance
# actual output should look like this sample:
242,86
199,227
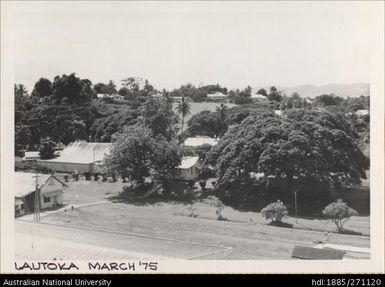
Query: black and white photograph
204,133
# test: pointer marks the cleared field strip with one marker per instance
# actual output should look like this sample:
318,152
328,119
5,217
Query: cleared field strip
63,242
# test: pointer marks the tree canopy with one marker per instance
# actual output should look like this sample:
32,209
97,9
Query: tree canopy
300,147
69,89
136,154
43,88
158,115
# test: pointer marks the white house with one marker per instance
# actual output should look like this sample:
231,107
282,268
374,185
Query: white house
50,187
199,141
362,113
218,96
103,96
189,169
31,155
84,157
258,97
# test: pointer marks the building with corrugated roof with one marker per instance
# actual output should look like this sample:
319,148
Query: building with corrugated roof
189,169
79,157
49,187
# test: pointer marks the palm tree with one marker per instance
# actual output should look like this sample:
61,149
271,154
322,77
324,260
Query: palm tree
222,118
183,108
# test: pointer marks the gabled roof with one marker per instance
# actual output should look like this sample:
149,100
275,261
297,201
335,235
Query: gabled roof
83,152
26,182
198,141
188,162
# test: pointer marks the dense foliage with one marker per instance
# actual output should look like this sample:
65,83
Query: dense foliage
67,110
301,149
47,148
197,94
137,154
313,146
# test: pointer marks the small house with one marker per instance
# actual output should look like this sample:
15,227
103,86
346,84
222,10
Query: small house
217,97
50,190
189,169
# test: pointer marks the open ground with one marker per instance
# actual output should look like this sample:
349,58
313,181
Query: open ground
165,230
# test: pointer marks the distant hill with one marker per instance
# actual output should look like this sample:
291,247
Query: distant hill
342,90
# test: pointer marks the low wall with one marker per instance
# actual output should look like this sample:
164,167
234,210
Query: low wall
66,166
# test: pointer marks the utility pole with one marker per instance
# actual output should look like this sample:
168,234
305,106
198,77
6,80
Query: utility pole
295,205
36,212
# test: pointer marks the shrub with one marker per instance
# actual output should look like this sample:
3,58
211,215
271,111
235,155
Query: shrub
193,211
220,207
339,212
47,149
216,202
275,212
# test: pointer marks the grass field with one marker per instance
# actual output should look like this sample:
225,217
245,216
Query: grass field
246,234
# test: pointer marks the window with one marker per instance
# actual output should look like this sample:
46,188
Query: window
46,199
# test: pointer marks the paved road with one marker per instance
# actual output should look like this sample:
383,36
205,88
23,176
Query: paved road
39,241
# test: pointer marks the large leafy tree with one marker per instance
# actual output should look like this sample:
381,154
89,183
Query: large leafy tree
190,91
274,94
43,88
79,130
136,89
295,101
22,137
136,154
183,109
204,123
98,88
69,89
238,113
328,100
262,92
23,102
158,115
109,89
130,155
47,149
241,97
299,150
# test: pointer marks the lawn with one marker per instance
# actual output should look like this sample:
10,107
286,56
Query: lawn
246,233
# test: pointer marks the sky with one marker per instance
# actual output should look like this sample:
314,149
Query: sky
169,43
